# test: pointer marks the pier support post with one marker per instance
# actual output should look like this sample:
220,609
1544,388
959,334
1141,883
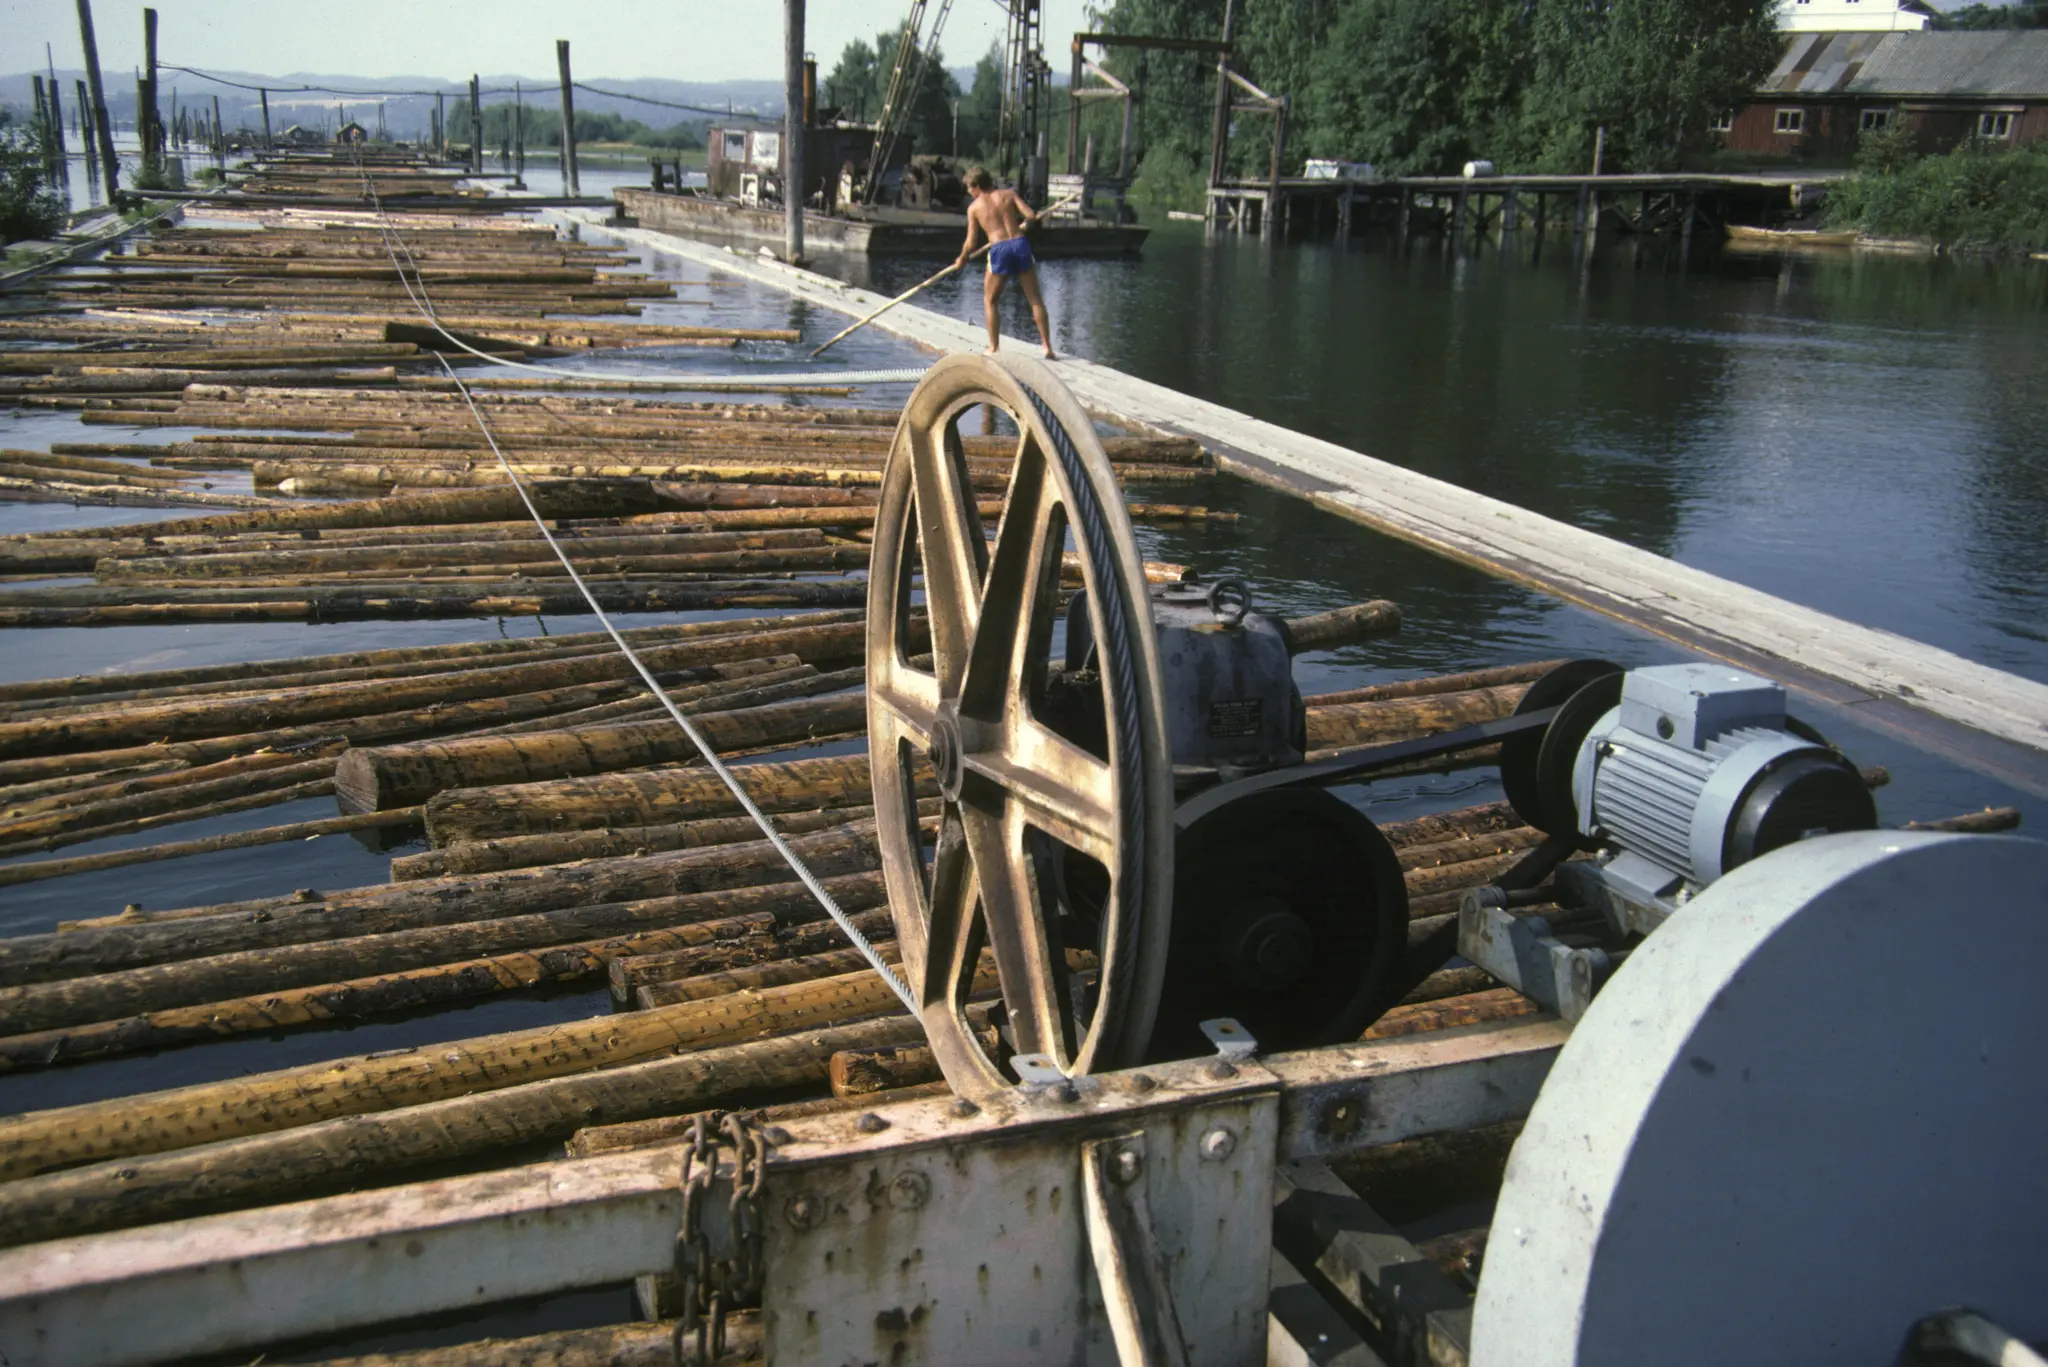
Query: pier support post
793,131
1689,209
1220,131
476,127
110,165
1510,212
519,137
1073,110
1404,208
1458,221
570,180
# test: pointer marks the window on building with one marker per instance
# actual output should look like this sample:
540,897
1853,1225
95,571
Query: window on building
1876,120
1721,122
1994,125
735,148
1791,121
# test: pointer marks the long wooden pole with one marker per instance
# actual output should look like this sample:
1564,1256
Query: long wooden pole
109,163
922,285
146,116
572,184
793,131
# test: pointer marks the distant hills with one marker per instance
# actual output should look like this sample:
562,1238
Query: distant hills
405,113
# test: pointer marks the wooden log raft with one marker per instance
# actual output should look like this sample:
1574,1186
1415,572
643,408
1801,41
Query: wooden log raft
200,718
138,940
126,1127
198,1173
652,799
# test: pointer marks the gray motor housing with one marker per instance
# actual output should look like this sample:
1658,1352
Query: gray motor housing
1699,770
1227,676
1226,680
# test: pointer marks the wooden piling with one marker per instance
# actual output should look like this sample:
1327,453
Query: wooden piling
476,128
110,165
572,183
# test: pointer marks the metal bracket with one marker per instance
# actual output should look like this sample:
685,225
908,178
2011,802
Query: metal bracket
1232,1041
1037,1070
1136,1293
1521,952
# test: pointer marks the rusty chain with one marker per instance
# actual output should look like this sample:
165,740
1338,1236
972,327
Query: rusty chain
707,1290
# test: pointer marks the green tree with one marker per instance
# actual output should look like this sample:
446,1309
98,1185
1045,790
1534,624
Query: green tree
1652,72
1419,87
851,90
28,205
1179,90
2022,14
859,84
981,108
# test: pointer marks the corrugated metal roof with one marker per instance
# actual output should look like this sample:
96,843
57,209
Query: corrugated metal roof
2008,63
1824,63
2013,62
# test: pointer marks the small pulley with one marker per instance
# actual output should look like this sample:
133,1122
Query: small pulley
1021,805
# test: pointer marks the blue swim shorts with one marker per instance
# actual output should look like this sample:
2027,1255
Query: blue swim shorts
1011,256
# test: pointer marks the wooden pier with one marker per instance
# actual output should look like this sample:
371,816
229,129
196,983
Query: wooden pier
1461,211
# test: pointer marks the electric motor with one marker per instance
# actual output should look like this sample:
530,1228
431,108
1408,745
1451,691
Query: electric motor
1698,770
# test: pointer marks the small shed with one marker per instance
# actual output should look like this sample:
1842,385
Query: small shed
736,153
352,133
1947,86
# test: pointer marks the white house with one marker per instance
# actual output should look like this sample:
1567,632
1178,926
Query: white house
1852,16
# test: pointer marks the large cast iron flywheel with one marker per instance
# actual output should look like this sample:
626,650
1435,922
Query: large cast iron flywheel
1020,803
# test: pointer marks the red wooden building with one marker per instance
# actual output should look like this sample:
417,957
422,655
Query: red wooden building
1830,88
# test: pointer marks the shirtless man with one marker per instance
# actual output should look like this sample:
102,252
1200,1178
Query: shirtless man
1001,215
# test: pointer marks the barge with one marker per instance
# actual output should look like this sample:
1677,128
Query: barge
879,230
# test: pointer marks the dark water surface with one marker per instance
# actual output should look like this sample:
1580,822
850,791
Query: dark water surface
1863,434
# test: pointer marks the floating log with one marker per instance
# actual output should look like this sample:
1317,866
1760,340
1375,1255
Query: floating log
748,947
219,1173
430,719
122,1127
393,661
200,718
41,869
1439,683
688,920
555,498
1371,723
598,550
521,598
630,799
527,851
406,775
139,939
1343,626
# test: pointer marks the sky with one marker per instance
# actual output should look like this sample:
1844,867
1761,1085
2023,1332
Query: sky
685,40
